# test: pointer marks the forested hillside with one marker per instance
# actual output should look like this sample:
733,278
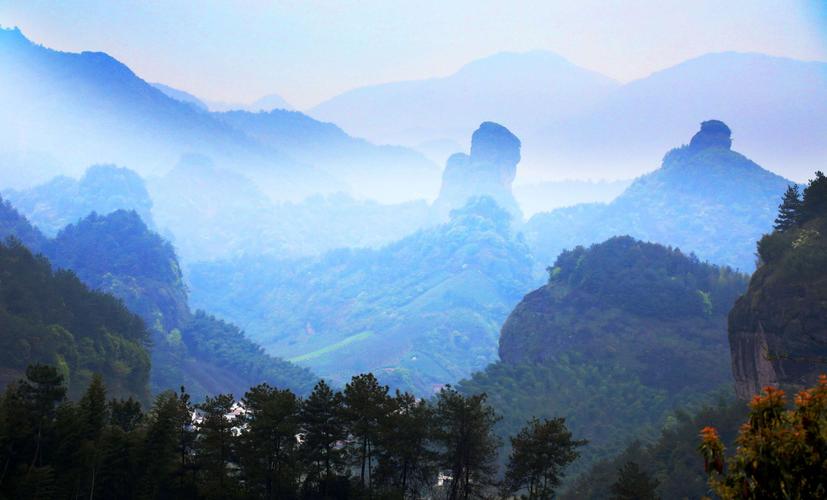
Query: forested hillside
705,199
49,316
622,334
419,312
118,254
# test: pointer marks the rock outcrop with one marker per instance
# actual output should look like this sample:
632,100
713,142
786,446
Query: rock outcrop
713,134
778,329
488,171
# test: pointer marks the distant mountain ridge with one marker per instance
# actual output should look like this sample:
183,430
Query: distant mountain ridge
705,199
508,88
606,129
83,109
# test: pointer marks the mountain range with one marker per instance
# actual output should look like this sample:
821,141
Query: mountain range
570,117
66,111
705,199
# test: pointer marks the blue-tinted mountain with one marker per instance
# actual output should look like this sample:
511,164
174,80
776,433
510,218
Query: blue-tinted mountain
88,108
515,89
64,200
383,173
569,117
419,313
705,199
14,224
181,95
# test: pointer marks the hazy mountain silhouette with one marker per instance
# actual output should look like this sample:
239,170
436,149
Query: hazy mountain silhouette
568,116
515,89
75,110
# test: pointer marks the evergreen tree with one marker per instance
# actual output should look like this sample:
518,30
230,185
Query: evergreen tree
92,416
215,444
540,453
789,212
165,457
322,429
365,403
267,444
465,433
814,203
407,462
125,414
634,484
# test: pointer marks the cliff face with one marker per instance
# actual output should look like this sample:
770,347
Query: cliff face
488,171
778,329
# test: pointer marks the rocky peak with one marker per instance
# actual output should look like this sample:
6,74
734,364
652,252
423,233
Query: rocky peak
495,146
488,171
713,134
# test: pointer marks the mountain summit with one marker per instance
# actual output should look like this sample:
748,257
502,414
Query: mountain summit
705,198
488,171
713,134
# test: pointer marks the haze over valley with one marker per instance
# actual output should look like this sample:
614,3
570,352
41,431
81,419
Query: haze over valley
512,274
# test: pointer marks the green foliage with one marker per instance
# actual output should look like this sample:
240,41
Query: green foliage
465,434
647,279
781,452
671,459
118,254
51,317
423,310
322,427
539,454
814,203
633,484
789,212
267,447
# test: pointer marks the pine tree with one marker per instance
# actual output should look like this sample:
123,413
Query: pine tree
634,484
814,203
407,462
540,453
215,444
322,429
365,404
465,432
789,212
92,416
267,443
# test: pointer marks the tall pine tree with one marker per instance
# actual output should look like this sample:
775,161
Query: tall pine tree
789,212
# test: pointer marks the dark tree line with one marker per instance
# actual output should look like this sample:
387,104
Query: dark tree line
361,442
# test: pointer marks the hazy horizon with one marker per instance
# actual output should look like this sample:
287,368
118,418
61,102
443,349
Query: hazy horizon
308,53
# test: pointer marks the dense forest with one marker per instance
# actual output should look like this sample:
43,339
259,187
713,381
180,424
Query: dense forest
51,317
622,334
361,442
117,254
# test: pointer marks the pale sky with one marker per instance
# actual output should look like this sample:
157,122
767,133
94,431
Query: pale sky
308,51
